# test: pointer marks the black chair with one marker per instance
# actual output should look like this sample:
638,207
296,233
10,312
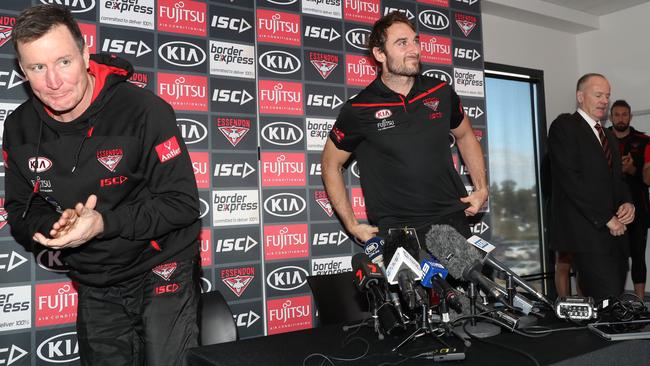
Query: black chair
217,323
337,299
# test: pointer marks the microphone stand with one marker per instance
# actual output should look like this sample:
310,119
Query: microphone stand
478,329
424,326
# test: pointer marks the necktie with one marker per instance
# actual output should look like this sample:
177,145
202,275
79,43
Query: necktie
604,143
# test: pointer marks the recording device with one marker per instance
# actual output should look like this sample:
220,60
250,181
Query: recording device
434,277
575,308
402,260
450,248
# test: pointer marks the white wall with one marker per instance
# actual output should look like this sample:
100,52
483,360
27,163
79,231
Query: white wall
515,43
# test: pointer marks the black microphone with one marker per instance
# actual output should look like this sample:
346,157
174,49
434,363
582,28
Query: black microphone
367,275
374,248
405,283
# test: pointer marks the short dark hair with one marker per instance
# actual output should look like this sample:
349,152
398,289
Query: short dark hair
584,78
32,23
621,103
377,36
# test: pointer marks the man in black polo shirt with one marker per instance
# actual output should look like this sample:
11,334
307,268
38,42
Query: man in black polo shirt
398,128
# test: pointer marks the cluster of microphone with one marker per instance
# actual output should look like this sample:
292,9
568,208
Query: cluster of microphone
405,278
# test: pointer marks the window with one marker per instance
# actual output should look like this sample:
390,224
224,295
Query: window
516,135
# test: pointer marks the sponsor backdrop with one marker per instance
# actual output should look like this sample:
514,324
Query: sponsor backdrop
257,85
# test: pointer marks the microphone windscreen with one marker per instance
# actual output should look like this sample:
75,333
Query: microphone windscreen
451,249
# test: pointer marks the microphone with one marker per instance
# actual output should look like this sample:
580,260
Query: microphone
451,250
434,276
402,260
405,283
367,275
374,248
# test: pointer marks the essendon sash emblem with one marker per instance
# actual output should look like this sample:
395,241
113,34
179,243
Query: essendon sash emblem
323,67
238,284
110,158
165,270
432,103
3,216
234,134
466,23
324,202
5,34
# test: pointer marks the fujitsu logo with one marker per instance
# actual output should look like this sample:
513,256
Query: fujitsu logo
279,62
76,6
282,133
277,95
362,6
287,311
362,68
280,166
179,53
284,204
178,13
275,24
179,89
286,238
433,47
65,297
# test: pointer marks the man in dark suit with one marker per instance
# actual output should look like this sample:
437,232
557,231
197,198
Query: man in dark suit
590,203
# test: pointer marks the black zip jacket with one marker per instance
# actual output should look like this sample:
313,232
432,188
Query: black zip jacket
126,149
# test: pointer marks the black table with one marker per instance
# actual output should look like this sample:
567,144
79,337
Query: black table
576,347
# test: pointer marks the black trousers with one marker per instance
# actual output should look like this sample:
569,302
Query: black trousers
638,235
601,275
147,320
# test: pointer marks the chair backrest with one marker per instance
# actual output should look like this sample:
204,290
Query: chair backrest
337,298
217,323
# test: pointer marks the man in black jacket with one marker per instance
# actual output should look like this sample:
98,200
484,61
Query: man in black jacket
96,168
590,204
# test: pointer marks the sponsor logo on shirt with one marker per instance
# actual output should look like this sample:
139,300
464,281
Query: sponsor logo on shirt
110,158
168,150
165,270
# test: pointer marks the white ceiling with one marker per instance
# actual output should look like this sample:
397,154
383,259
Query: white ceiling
597,7
573,16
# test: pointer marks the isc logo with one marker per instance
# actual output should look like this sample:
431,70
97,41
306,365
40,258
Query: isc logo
114,181
167,289
128,47
233,170
240,97
328,34
234,24
329,101
235,245
469,54
333,238
474,112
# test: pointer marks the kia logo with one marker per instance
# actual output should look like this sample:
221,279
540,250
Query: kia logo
183,54
439,74
287,278
282,2
284,204
205,284
434,19
279,62
191,130
59,348
50,261
76,6
40,164
358,38
282,133
355,169
203,208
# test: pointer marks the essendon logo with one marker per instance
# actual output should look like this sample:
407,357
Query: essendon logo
165,270
186,16
110,158
278,27
89,32
435,49
184,92
358,204
324,62
168,149
139,79
39,165
478,134
280,97
283,169
6,27
324,202
285,241
56,303
288,315
466,23
363,11
238,279
360,70
233,129
432,103
3,213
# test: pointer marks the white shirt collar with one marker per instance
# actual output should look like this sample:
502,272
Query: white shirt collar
589,120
